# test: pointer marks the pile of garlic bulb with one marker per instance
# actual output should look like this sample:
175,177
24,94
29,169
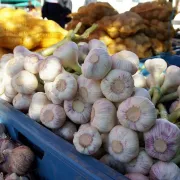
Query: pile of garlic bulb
102,104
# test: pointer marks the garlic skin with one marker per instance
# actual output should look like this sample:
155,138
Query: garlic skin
162,140
83,51
66,131
52,116
174,106
24,82
117,86
123,144
136,176
50,68
97,64
78,111
139,81
164,171
137,113
110,161
89,89
87,140
103,115
64,86
141,92
95,43
22,101
141,164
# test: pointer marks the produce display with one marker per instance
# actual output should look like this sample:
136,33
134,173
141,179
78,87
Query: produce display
101,103
16,159
142,30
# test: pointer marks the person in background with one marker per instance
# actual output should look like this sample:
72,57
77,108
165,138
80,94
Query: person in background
57,10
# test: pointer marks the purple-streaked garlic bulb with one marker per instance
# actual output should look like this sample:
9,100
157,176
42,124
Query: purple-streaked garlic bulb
89,89
137,113
114,164
95,43
164,171
87,140
123,144
136,176
83,51
18,160
118,85
97,64
66,131
139,80
77,110
141,92
103,115
50,68
162,140
141,164
126,61
64,86
174,106
52,116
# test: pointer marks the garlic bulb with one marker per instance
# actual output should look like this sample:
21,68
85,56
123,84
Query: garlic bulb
139,80
150,81
78,111
162,140
97,64
156,67
39,100
83,51
123,144
103,115
87,140
84,125
174,106
66,131
24,82
89,89
117,86
32,62
141,92
136,176
68,55
141,164
64,86
4,60
165,171
110,161
95,43
126,61
21,51
137,113
50,68
22,101
52,116
2,81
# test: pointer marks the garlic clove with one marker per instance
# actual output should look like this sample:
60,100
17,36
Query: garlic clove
141,92
97,64
117,85
103,115
50,68
89,89
78,111
139,81
64,86
136,176
87,140
52,116
137,113
95,43
162,140
123,144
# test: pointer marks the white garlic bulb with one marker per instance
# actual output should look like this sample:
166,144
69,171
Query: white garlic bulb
164,171
141,92
103,115
77,110
141,164
52,116
95,43
97,64
87,140
4,59
162,140
89,89
83,51
137,113
123,144
139,80
117,85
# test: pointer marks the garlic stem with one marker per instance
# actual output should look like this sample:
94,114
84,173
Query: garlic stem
169,97
163,111
176,160
174,116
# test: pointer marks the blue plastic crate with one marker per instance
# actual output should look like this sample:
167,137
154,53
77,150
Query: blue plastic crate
56,159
